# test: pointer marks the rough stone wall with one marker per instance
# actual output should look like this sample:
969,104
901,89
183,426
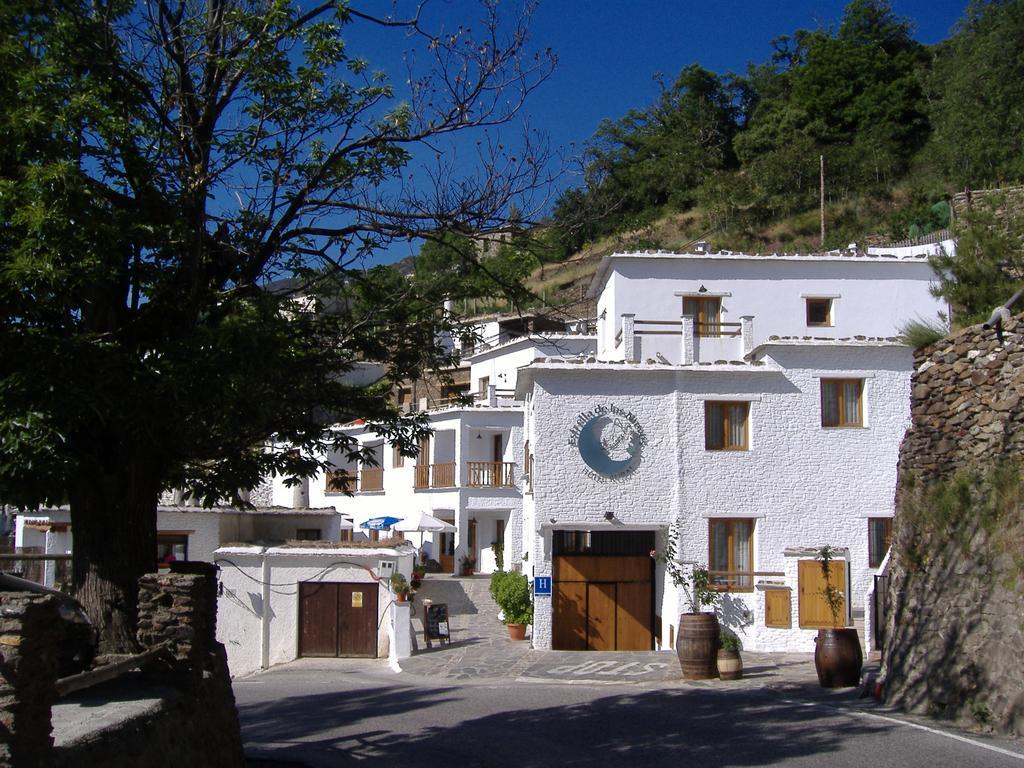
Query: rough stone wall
199,724
955,618
29,633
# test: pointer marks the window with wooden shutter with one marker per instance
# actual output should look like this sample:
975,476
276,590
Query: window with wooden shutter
725,426
778,608
706,313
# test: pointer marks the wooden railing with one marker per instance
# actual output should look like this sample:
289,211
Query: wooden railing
371,479
340,481
705,330
434,476
490,474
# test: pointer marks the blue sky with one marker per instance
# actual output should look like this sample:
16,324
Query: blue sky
609,52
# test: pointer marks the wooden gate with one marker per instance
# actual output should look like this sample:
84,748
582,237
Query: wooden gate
337,619
814,611
603,603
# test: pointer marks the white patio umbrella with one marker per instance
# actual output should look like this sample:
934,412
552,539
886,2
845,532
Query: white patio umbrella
423,522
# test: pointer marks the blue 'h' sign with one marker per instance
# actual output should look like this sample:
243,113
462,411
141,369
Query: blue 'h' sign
542,585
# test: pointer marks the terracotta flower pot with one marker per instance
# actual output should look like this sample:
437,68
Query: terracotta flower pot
401,597
838,658
697,645
516,631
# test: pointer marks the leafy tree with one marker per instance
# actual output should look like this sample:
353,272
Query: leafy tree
988,266
161,163
976,91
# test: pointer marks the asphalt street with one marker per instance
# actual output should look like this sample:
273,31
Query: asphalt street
347,712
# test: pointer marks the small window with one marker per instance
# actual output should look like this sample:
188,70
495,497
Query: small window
879,539
307,534
841,403
819,312
725,426
485,382
731,554
397,459
170,548
346,534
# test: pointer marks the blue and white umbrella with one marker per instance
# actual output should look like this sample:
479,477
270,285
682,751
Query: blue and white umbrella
380,523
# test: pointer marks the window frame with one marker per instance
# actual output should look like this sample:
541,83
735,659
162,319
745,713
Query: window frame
726,406
827,301
875,558
173,538
840,383
303,534
730,522
397,459
706,324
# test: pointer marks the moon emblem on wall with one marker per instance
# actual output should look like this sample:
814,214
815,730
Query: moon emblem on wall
609,445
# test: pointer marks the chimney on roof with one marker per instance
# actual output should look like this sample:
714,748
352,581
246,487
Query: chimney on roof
702,246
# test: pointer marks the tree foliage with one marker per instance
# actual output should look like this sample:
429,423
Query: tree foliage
162,163
881,108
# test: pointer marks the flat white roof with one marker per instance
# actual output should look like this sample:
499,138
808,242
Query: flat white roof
851,256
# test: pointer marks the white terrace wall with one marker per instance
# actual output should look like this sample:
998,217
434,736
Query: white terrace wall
804,486
871,296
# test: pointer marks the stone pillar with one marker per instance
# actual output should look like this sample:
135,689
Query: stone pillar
400,632
747,331
629,338
30,630
687,355
180,606
492,395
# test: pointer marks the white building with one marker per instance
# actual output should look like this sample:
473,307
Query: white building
755,404
470,473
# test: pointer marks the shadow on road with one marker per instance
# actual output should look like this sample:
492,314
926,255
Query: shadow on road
650,728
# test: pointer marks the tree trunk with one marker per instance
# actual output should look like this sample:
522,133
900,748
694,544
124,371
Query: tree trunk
113,517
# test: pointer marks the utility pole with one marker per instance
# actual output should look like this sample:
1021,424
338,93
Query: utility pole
821,159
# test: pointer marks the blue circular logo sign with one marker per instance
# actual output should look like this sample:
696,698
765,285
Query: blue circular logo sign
610,441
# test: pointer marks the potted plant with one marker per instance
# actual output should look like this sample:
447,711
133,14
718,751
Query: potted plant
467,565
697,643
730,663
838,658
418,572
400,586
512,593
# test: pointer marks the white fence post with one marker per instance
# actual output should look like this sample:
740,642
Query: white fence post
687,355
629,338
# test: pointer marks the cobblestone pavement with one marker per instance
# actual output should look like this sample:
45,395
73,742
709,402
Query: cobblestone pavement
482,651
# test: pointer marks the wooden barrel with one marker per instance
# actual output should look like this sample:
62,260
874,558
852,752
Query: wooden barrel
730,665
697,645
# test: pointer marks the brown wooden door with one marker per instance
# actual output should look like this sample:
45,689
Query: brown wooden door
603,603
813,610
337,619
569,630
601,617
357,620
318,619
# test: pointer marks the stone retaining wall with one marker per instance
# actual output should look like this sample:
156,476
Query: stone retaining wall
955,621
194,723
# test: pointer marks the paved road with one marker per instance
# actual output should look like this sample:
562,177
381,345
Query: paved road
340,713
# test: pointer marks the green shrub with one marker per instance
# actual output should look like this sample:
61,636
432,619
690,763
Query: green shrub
922,333
514,598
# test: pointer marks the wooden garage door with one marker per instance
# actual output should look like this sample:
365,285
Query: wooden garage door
603,603
337,619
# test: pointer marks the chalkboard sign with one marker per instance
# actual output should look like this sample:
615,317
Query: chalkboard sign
435,623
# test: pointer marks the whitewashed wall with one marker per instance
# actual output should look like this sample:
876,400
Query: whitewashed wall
258,610
501,365
805,486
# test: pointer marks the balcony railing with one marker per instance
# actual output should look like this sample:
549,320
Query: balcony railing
738,581
340,481
490,474
371,479
434,476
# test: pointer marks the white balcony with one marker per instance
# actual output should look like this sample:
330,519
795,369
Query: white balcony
683,341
